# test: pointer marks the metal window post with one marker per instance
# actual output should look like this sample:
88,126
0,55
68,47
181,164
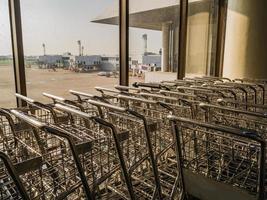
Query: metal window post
124,42
182,39
17,48
221,31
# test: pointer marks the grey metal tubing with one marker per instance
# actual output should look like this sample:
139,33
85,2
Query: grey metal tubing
136,99
63,100
177,93
150,85
242,103
53,97
125,89
37,104
251,80
83,94
79,94
121,87
97,103
157,96
221,78
22,97
101,89
72,111
157,86
193,89
216,90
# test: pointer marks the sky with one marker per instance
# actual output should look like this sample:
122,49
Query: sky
61,23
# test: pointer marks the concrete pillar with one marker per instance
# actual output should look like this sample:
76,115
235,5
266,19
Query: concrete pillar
246,39
165,47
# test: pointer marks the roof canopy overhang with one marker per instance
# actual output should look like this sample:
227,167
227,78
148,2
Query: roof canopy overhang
147,16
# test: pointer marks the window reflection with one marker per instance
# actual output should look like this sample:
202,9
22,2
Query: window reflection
154,35
201,37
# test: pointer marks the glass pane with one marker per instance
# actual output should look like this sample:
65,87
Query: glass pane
201,37
7,82
67,44
154,33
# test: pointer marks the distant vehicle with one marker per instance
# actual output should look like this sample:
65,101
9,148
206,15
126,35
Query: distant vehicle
102,73
108,74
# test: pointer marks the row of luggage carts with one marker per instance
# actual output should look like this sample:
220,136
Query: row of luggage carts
191,138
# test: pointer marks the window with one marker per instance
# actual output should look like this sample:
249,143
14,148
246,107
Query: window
67,36
201,47
154,35
7,82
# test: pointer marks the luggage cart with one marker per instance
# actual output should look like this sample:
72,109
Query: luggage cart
15,156
61,157
108,164
163,142
145,186
143,182
235,118
229,161
104,165
243,106
137,153
255,91
36,165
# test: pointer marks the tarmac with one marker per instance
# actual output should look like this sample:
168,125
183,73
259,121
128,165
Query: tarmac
57,82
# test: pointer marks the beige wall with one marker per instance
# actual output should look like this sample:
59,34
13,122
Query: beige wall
246,39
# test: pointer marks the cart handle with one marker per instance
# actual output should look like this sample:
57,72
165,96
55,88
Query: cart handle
62,100
97,103
257,114
37,104
136,99
72,110
101,89
121,87
193,88
53,97
27,99
150,85
157,96
30,120
77,93
178,93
